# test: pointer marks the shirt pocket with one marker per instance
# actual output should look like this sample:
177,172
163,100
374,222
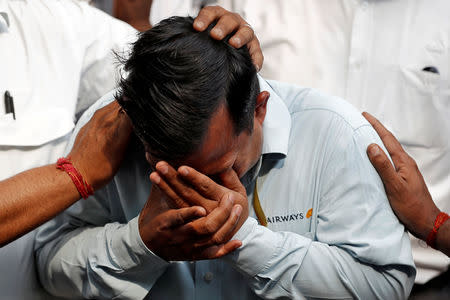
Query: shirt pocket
35,124
423,95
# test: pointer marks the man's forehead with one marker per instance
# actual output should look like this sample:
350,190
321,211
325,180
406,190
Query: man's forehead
219,147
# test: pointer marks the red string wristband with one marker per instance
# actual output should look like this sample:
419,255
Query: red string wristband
440,219
83,187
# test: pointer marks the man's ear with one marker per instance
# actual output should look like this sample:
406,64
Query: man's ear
261,106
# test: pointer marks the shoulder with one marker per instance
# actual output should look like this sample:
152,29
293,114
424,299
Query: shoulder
314,109
325,123
315,103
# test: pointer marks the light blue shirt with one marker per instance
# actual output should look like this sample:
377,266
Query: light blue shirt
331,232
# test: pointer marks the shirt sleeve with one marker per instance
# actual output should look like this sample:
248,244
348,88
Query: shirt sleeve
82,253
358,250
102,36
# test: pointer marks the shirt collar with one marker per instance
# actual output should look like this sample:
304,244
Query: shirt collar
277,123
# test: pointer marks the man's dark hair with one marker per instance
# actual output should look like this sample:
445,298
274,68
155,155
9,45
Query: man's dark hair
176,79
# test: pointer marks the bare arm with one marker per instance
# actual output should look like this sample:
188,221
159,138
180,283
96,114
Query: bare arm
405,187
31,198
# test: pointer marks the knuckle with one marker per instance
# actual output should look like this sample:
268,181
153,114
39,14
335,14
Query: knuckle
249,31
178,218
213,10
408,161
385,164
226,20
165,223
396,188
203,187
237,17
188,194
228,199
217,239
207,10
382,164
189,228
197,230
209,227
180,203
218,8
412,162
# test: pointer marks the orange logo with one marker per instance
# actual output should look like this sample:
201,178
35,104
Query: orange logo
309,213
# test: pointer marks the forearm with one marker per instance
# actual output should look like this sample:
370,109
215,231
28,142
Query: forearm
31,198
443,238
98,262
290,265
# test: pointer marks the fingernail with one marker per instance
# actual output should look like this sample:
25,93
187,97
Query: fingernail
237,41
238,210
154,177
183,171
373,150
163,169
218,32
199,24
201,211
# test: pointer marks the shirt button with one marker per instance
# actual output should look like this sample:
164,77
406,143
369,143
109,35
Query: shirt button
208,277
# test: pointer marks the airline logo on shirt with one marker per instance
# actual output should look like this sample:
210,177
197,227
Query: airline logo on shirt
290,217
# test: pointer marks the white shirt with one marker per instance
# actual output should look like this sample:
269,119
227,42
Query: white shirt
331,231
371,53
55,60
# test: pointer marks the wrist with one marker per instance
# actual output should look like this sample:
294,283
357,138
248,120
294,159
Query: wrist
427,224
85,173
441,219
84,188
442,238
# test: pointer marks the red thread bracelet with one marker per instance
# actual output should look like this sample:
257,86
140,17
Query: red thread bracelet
83,187
440,219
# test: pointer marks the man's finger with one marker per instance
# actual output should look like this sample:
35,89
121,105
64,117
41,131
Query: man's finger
225,233
215,219
208,15
383,166
231,181
179,187
202,183
220,250
256,54
117,125
125,124
242,36
392,145
181,216
226,25
167,190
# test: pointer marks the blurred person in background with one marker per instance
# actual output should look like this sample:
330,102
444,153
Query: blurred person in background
390,58
134,12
